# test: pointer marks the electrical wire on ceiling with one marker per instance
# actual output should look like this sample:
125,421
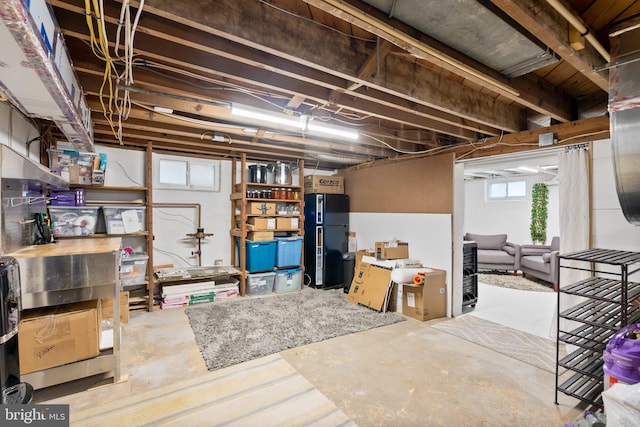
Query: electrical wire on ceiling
110,100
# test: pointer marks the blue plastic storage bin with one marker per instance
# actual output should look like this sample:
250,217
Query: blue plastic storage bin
261,256
289,251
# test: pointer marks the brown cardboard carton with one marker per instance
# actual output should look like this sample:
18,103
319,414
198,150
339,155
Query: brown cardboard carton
260,236
254,223
262,208
371,286
55,336
428,301
392,250
287,223
106,306
324,184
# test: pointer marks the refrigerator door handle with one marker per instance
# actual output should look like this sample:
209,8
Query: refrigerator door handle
319,208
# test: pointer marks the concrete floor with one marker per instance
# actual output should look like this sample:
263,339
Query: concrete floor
406,374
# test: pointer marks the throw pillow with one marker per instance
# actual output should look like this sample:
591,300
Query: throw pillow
546,257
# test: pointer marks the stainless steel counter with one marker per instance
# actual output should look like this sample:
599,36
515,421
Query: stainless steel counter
73,270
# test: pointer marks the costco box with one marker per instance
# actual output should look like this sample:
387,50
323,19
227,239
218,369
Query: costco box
428,301
262,208
254,223
371,286
392,250
106,306
55,336
324,184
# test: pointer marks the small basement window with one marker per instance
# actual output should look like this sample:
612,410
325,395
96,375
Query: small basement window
505,190
187,174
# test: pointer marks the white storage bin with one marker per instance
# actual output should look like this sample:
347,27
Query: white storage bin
133,269
74,220
260,283
124,219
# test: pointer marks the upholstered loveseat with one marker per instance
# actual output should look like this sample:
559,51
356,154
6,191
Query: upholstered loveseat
495,253
541,261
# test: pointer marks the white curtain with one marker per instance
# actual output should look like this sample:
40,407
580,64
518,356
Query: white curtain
575,226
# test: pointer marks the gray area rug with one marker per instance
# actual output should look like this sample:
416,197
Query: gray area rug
508,280
235,331
525,347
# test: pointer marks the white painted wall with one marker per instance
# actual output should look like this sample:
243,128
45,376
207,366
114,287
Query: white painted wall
513,217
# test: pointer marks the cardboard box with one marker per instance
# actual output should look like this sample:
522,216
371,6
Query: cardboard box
260,236
55,336
106,306
262,208
392,250
287,223
324,184
428,301
352,242
261,223
371,286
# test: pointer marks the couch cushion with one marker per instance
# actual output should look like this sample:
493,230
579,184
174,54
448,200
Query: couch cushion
490,241
535,262
492,256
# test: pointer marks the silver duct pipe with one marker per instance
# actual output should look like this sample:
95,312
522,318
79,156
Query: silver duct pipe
624,109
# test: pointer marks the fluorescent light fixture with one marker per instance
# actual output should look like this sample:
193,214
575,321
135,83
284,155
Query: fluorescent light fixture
528,169
302,124
332,131
279,119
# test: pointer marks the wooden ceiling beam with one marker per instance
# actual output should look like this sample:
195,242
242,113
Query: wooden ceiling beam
522,91
321,53
369,103
541,20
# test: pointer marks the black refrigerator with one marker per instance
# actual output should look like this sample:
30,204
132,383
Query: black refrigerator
326,238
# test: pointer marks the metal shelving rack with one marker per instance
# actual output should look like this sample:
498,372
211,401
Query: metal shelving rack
469,274
607,308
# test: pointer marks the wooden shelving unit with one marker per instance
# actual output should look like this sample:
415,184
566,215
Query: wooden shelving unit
606,309
240,212
142,297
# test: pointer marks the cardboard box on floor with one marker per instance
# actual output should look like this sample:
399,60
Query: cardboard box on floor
371,286
428,301
55,336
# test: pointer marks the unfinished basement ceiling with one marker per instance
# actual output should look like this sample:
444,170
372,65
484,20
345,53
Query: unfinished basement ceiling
476,28
409,87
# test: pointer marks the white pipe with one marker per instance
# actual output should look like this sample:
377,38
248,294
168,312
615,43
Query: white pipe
578,25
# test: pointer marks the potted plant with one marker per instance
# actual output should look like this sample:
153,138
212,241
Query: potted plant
539,201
